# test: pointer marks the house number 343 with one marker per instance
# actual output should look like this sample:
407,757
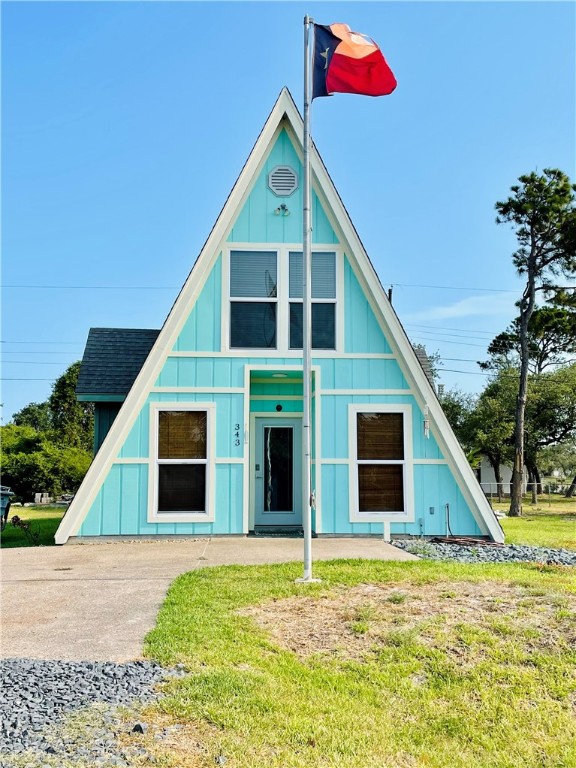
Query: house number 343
236,434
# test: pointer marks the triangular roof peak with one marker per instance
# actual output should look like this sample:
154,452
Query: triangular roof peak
284,114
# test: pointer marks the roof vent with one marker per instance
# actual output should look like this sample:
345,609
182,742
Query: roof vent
283,180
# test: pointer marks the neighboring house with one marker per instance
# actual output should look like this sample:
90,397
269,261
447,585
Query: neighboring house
198,426
487,478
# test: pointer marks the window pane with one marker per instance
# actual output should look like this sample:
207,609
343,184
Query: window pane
253,273
278,468
380,436
323,326
182,435
380,488
181,488
252,324
323,275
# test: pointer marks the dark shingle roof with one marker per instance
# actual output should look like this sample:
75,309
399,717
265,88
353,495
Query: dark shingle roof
112,359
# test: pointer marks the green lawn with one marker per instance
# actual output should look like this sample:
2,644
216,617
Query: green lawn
43,521
550,523
395,665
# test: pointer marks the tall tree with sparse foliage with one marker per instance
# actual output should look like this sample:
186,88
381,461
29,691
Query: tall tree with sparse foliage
542,211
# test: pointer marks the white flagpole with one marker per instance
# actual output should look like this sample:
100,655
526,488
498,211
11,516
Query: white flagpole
307,494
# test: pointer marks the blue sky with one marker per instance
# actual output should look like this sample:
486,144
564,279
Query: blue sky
125,125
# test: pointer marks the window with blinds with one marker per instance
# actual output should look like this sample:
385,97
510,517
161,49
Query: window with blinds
182,461
381,462
253,299
266,305
323,291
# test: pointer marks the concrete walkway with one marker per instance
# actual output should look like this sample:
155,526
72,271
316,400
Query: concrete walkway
96,602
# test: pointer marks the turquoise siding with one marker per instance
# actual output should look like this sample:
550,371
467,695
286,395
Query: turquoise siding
434,488
335,425
257,222
361,373
201,332
361,329
104,415
126,488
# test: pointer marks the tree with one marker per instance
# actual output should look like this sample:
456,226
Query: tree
551,336
550,416
32,464
542,211
72,421
491,424
35,415
47,448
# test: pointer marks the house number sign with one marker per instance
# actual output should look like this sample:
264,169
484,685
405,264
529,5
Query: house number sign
236,435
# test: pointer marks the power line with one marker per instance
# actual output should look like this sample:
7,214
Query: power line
453,288
97,287
11,379
3,341
443,328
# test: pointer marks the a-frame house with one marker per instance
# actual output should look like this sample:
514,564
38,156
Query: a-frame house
205,437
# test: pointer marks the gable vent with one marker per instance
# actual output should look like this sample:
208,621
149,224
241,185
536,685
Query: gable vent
283,180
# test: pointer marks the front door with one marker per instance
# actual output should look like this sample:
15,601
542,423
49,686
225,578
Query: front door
278,472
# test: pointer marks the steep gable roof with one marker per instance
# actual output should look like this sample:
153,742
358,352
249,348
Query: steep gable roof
284,115
112,360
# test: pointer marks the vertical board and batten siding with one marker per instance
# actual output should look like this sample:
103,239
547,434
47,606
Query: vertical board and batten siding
104,415
201,331
257,222
121,505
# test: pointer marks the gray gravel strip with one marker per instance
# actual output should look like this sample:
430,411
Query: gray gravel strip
485,553
39,700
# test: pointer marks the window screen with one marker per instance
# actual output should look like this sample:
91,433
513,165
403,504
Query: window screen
380,453
252,324
182,461
182,488
323,326
323,275
380,436
380,487
182,435
253,274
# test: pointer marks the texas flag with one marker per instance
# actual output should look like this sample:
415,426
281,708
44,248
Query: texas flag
348,62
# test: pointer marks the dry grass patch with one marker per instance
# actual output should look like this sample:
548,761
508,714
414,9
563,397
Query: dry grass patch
350,622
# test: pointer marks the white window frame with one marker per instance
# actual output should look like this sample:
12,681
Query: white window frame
400,516
283,300
154,516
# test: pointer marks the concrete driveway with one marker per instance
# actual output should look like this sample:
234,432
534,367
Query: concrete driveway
96,602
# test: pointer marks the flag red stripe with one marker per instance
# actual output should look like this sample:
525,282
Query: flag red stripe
369,76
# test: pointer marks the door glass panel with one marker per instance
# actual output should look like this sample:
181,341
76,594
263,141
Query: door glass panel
278,469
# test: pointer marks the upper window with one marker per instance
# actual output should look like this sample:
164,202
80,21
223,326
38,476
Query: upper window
381,476
253,299
323,300
266,300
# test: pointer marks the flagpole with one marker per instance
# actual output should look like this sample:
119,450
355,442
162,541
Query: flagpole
307,494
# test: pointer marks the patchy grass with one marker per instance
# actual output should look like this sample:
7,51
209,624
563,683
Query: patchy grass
43,520
399,665
544,524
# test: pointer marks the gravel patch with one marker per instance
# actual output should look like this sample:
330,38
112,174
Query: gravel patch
486,553
60,712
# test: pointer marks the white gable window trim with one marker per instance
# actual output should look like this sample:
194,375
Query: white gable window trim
277,297
406,463
157,462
